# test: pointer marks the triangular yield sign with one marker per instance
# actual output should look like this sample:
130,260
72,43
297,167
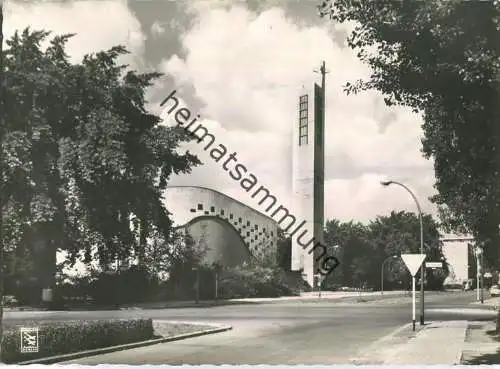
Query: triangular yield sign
413,262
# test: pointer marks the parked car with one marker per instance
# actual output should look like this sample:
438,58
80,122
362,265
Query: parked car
495,290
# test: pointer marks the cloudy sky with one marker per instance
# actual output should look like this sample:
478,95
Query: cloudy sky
240,65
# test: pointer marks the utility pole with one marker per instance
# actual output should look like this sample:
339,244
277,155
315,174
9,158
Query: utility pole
323,72
2,200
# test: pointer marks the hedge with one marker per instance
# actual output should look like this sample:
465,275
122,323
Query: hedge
58,338
245,281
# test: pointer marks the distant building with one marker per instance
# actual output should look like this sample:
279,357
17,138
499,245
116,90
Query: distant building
456,252
231,231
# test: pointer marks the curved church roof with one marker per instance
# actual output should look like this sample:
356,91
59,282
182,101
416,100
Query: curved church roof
223,195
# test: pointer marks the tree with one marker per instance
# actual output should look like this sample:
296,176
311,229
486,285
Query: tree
186,260
81,154
399,233
157,253
353,246
442,59
363,248
284,250
361,267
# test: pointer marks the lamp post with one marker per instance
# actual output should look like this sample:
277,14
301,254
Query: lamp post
382,273
422,269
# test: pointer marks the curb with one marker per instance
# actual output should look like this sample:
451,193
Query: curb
106,350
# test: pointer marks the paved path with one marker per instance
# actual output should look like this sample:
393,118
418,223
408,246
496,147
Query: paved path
290,332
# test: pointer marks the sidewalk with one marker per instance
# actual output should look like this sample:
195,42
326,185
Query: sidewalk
306,296
436,343
325,295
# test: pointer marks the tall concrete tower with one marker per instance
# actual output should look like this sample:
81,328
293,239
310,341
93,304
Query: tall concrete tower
309,177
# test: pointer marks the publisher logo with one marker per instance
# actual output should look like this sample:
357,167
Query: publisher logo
29,340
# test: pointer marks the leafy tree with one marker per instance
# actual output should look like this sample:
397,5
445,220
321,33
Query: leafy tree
399,233
364,248
185,261
442,59
82,154
18,274
158,253
284,250
361,267
351,239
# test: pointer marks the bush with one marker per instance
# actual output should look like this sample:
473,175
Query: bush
253,281
10,301
132,285
57,338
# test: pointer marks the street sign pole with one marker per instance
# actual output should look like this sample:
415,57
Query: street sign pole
414,300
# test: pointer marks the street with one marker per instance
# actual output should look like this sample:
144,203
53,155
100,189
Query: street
279,332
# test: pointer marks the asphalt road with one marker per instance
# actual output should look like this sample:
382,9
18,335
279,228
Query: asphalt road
283,332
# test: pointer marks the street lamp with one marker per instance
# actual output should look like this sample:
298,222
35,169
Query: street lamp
382,273
422,277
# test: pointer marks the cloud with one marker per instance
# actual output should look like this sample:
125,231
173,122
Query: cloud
248,75
157,29
98,25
